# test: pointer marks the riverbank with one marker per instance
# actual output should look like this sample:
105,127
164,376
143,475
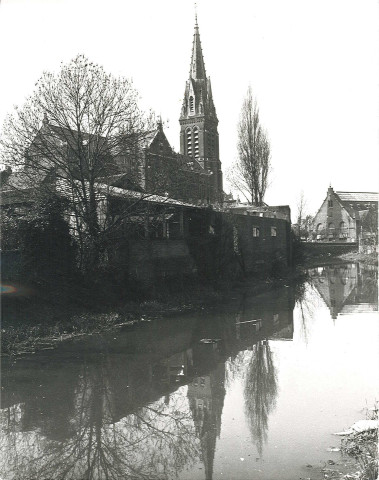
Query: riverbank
359,449
30,324
366,258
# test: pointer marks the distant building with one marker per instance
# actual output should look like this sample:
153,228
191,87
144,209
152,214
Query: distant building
346,217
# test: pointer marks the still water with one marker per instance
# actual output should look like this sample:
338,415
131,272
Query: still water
253,389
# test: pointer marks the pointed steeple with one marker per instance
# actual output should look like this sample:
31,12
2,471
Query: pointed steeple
198,121
197,70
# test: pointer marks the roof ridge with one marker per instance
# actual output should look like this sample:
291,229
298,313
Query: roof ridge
349,191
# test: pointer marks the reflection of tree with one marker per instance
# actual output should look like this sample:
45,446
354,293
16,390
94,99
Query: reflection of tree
306,299
153,442
260,392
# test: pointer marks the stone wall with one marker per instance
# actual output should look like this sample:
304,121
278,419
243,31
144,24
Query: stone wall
262,243
234,244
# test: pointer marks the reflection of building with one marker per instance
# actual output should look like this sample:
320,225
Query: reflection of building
347,288
343,216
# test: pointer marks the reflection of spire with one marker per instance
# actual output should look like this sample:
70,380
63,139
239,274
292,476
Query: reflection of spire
206,398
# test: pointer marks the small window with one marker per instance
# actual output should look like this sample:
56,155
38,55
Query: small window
273,231
191,104
330,203
255,232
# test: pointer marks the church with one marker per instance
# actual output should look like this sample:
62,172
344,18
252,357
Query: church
194,175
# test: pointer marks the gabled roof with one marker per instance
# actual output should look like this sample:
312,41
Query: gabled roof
146,138
142,138
358,196
346,206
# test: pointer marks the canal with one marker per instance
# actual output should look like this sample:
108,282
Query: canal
253,389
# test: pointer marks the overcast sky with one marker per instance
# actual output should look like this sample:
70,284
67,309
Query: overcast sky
312,64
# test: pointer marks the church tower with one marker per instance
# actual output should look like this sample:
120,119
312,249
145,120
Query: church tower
198,120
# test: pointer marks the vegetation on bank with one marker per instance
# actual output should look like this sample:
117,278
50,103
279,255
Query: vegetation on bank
363,448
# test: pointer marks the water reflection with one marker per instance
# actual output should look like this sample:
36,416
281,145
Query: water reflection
149,402
146,404
347,288
260,392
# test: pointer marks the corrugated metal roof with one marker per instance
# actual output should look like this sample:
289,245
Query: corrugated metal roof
358,196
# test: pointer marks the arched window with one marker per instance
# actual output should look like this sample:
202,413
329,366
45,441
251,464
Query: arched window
319,227
191,104
331,226
342,226
189,141
196,141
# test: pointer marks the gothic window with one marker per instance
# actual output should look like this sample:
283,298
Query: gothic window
196,141
319,227
201,108
331,226
330,203
189,141
191,104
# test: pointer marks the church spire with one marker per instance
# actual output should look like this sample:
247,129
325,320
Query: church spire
198,122
197,70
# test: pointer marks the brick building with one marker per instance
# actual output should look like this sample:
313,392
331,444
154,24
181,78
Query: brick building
345,216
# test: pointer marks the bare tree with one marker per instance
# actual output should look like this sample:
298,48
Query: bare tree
304,220
301,206
250,172
89,120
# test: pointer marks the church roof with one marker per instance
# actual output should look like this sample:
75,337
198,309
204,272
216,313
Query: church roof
358,196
